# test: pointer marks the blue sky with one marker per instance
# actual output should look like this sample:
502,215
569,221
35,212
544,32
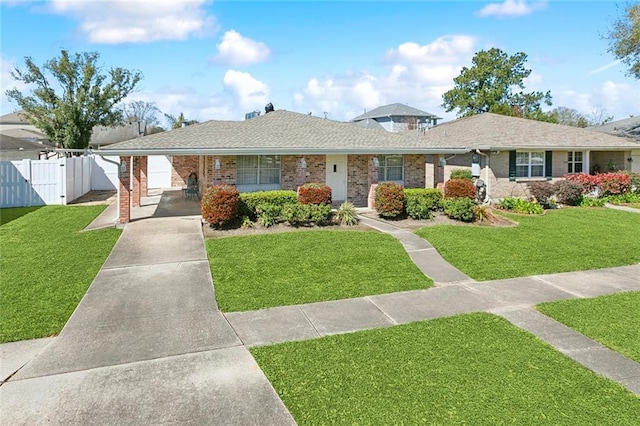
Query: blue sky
220,59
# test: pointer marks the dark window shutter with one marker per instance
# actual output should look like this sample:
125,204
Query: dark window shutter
512,165
548,167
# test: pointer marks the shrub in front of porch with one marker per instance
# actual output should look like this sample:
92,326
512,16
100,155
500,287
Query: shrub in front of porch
422,202
220,204
603,184
389,200
459,208
249,201
314,193
457,188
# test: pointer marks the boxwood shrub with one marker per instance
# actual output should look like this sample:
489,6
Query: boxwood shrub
422,202
249,201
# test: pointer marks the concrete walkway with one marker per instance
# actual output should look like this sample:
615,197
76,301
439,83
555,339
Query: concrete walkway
147,344
622,208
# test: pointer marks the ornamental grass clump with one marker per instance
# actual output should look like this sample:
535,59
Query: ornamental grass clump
220,205
346,214
389,200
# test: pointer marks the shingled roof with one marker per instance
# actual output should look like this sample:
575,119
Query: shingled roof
629,127
394,110
278,132
496,132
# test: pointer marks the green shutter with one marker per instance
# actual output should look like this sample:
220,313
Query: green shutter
512,165
548,168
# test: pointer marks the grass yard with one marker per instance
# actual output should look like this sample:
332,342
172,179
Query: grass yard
46,267
571,239
613,320
468,369
262,271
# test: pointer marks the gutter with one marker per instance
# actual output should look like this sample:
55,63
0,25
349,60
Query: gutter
275,151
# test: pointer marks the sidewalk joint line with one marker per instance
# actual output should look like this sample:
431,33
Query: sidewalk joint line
394,322
542,280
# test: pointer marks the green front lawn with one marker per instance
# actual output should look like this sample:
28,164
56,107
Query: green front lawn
563,240
262,271
612,320
469,369
46,267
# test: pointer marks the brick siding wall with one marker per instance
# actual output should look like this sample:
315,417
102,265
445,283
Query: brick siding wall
181,168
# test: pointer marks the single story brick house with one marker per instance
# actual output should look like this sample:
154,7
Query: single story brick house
284,150
512,152
278,150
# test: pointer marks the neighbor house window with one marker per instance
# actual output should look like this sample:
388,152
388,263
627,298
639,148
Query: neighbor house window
530,164
258,170
574,162
391,168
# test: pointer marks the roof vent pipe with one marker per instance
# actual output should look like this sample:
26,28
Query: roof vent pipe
268,108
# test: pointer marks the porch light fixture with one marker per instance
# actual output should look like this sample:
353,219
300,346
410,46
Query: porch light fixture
217,164
630,159
123,167
303,163
376,162
442,162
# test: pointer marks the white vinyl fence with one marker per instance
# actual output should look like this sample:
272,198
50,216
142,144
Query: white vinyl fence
28,183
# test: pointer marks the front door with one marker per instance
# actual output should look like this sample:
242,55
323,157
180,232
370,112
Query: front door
337,176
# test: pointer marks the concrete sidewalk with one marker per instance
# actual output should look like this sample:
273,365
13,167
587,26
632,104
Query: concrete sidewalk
146,345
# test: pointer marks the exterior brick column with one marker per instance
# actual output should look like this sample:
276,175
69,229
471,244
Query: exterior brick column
136,182
372,181
301,173
218,174
125,197
144,184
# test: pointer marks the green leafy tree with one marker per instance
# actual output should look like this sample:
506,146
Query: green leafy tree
569,117
489,84
72,95
624,39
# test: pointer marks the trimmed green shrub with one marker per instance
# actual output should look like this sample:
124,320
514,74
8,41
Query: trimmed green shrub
421,202
461,174
459,208
389,199
541,191
314,193
249,201
296,214
457,188
346,214
518,205
220,204
568,192
268,214
320,213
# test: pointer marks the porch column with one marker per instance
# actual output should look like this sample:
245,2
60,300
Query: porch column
301,172
586,162
144,184
136,182
372,180
123,190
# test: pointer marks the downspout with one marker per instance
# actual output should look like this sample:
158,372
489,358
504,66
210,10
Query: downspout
117,186
486,196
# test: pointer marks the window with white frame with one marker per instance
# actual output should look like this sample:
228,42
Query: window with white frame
391,168
530,164
258,170
574,162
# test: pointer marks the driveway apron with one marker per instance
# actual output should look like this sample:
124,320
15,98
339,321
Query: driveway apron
146,344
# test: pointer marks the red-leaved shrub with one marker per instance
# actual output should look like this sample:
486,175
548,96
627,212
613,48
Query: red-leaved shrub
220,204
606,183
314,193
389,199
459,188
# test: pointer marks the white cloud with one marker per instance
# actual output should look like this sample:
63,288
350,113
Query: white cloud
236,50
139,21
417,75
510,8
249,93
618,99
7,66
604,67
443,50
